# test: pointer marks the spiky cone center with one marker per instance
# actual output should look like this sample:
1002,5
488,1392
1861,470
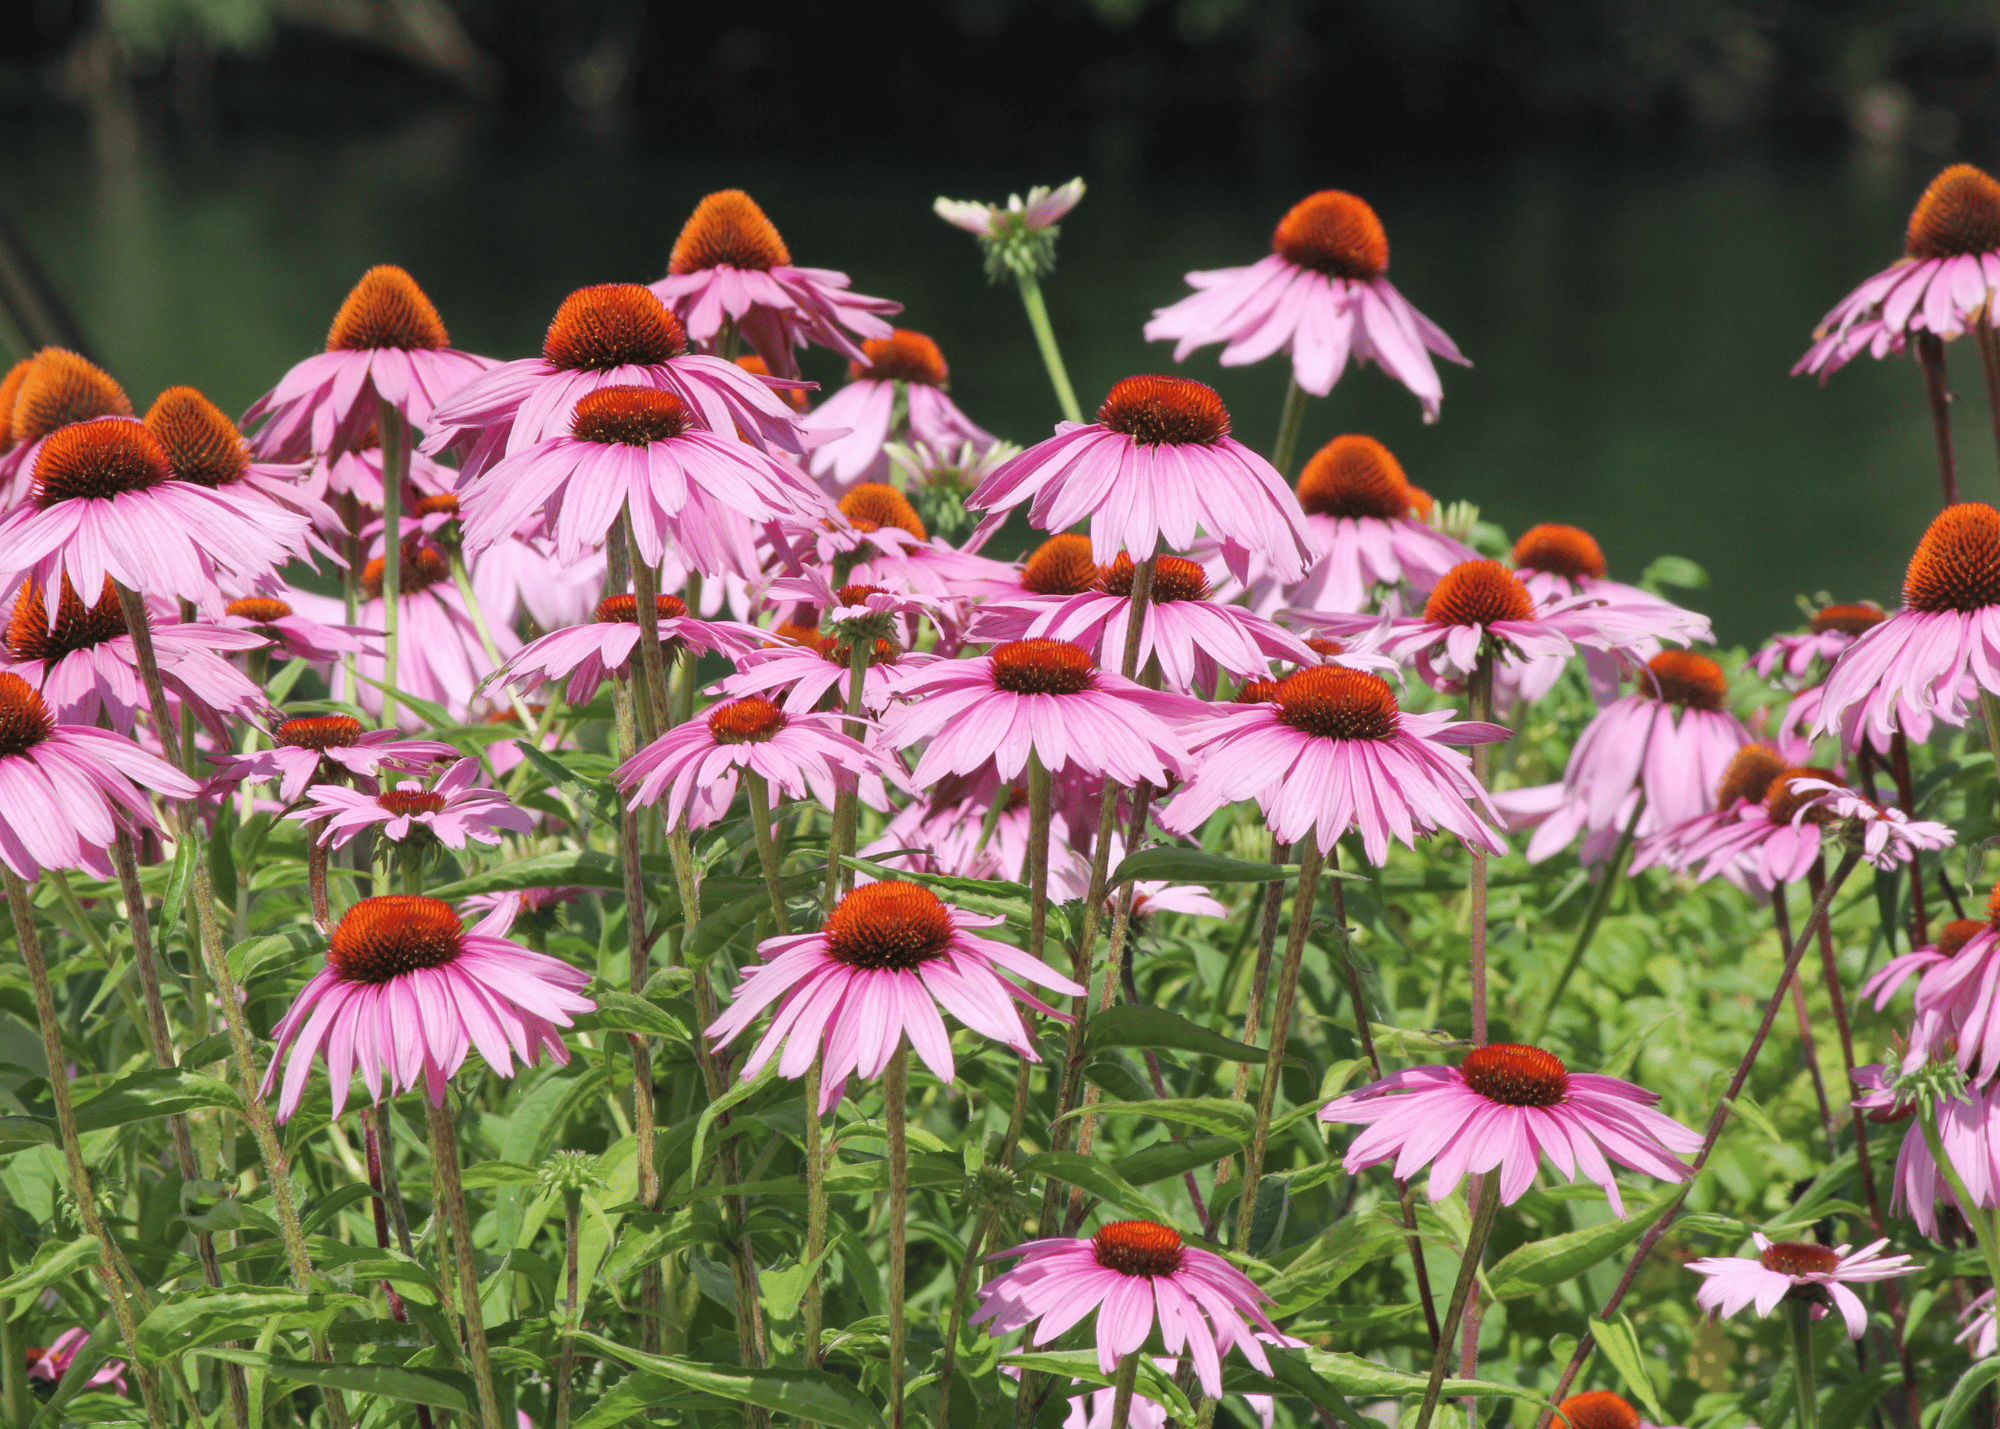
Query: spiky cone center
1568,551
320,732
1333,702
421,569
97,461
630,416
1062,565
381,939
1782,800
201,443
750,720
1043,667
1324,648
25,720
1957,933
1355,476
10,392
617,609
444,503
1138,1248
728,229
403,802
1333,233
889,926
791,632
874,504
387,309
1514,1075
258,609
1749,775
1165,411
612,325
1797,1257
792,397
60,388
1257,692
902,356
1957,564
1174,578
1853,619
30,637
1681,677
1599,1409
1993,905
1958,214
1478,593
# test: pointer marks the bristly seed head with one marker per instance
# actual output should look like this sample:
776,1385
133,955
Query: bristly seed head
59,388
1794,1257
1324,648
381,939
1681,677
1957,564
1514,1075
97,461
1043,667
30,636
871,505
1568,551
401,802
258,609
1257,692
387,309
612,325
201,443
25,720
444,503
1855,619
1599,1409
320,732
1749,775
1333,233
728,228
1959,214
1174,578
1781,801
891,926
1062,565
1334,702
1355,476
1960,931
1165,411
1993,904
421,569
1479,593
630,416
903,356
10,392
750,720
616,608
1138,1248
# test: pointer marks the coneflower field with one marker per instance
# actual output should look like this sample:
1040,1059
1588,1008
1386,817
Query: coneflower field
615,884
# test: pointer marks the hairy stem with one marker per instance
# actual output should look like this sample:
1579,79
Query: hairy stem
1289,422
896,1092
1045,339
1461,1293
395,430
451,1197
1937,390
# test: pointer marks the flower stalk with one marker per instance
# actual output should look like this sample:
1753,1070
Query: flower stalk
1289,422
1937,391
395,430
1462,1291
1045,339
896,1091
451,1194
1798,1310
1122,1384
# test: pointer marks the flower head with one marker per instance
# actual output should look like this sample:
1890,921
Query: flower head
51,389
313,748
1965,1128
450,811
903,373
1018,238
51,1364
1784,1268
588,653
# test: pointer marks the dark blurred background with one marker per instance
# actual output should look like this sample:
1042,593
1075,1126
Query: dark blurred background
1629,213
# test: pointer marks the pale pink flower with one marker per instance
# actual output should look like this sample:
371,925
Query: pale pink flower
1043,209
1965,1128
313,748
1503,1108
204,447
1982,1326
272,619
948,831
810,671
1957,996
1767,843
1131,1273
587,654
451,811
51,1364
888,958
1833,629
42,394
1823,1272
1323,296
903,368
357,472
1890,838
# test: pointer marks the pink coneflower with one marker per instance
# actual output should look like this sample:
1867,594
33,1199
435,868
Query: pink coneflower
1767,843
1915,662
1942,284
1965,1128
1047,696
1956,1011
51,1364
1157,467
889,956
443,659
357,472
203,446
1329,751
272,618
905,367
86,667
1043,209
810,671
883,542
1785,1267
1981,1334
1833,629
408,991
1503,1107
52,389
1883,984
639,449
68,787
948,831
587,654
1192,636
313,748
854,608
609,335
515,576
1670,742
450,811
696,765
1889,837
105,502
1557,563
387,342
1738,796
729,266
1137,1272
1323,296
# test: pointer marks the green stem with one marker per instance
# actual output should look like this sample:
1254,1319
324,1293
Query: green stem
566,1369
462,578
1799,1312
1045,338
410,865
815,1212
967,1269
1479,702
895,1092
839,878
395,430
646,609
1040,799
1289,422
451,1194
1461,1293
1989,707
1121,1389
767,848
1600,901
13,1365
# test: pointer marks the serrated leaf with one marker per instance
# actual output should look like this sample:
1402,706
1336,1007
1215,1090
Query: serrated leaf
54,1260
1132,1024
1213,1114
439,1387
154,1092
1620,1344
622,1012
1099,1180
811,1395
202,1317
1542,1263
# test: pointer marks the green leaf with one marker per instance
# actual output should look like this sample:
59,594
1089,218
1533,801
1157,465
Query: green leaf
25,1130
203,1317
1335,1254
1674,571
811,1395
154,1092
1543,1263
1081,1365
439,1387
1966,1392
719,925
1099,1180
253,955
1292,1371
175,900
720,1105
1192,865
622,1012
1213,1114
54,1260
583,868
1132,1024
486,1174
975,895
637,1396
1171,1158
1620,1343
280,688
1745,1106
1845,1406
1365,1379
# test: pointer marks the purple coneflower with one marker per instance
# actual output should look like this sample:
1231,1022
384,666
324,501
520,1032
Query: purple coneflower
1783,1267
587,654
1965,1128
52,389
312,748
450,811
905,366
272,618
